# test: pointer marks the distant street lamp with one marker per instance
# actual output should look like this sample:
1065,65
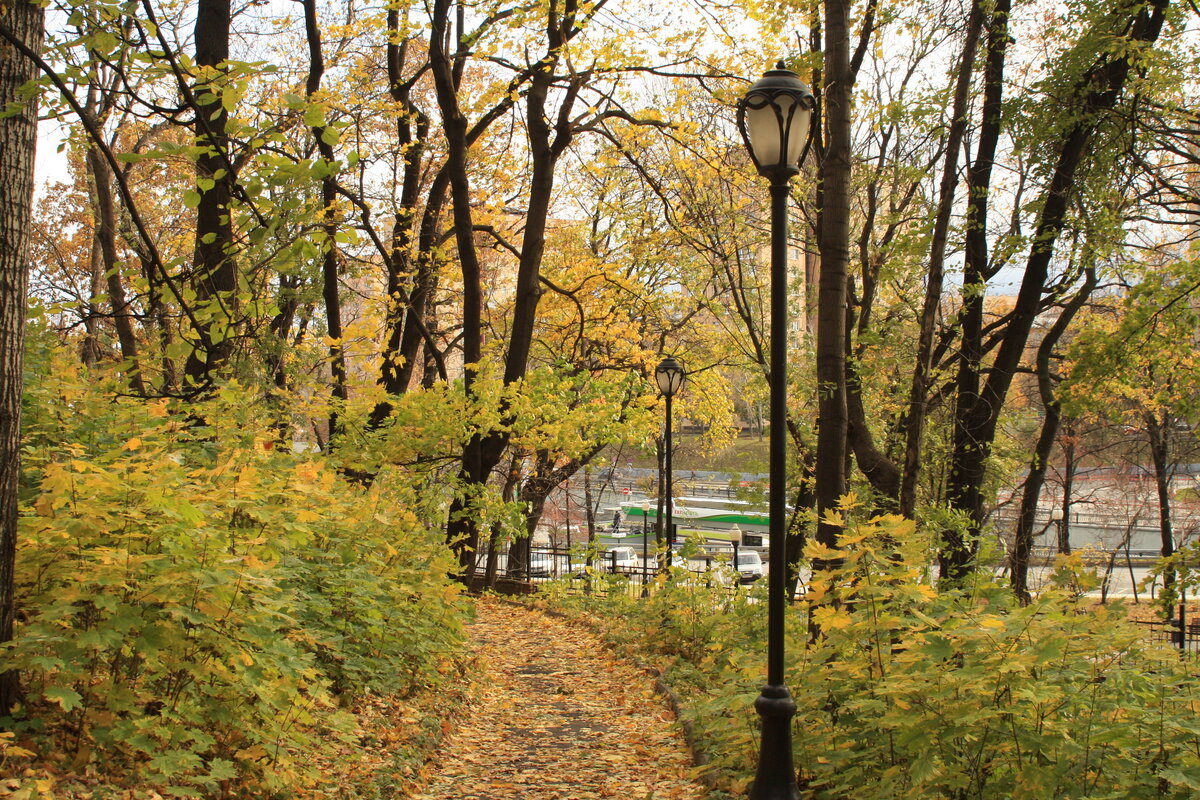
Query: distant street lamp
645,552
670,378
775,120
735,538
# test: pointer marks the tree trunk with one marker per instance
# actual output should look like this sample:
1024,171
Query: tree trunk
462,529
408,288
1158,431
956,547
214,276
155,301
1023,544
977,415
18,138
1070,466
834,243
589,513
797,535
545,479
547,142
329,260
919,390
90,351
106,236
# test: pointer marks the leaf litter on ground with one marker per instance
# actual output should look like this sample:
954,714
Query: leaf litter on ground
558,716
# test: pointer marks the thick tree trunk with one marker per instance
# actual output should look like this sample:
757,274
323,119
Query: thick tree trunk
834,243
18,137
462,529
214,276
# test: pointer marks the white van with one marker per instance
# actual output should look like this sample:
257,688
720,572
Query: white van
749,565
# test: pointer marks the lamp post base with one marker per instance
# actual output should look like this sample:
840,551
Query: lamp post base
775,778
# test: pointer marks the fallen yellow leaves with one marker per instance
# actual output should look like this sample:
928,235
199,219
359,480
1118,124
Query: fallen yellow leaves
557,717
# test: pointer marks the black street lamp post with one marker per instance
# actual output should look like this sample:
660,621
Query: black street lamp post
670,378
645,554
735,539
774,118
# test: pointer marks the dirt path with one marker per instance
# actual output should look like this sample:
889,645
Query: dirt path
558,717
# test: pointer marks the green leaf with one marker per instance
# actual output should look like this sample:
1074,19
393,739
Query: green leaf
68,699
314,115
103,42
1183,777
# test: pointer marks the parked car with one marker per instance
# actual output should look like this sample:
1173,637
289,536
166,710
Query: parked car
541,565
620,559
749,566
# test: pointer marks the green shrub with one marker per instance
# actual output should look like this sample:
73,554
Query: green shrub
198,602
909,693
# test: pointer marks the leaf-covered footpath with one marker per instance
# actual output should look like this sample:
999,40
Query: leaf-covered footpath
557,717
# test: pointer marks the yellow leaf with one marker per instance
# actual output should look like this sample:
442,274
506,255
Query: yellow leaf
133,444
832,619
849,500
44,506
817,550
247,477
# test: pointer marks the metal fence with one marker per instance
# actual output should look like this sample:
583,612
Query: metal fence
1187,639
620,568
616,570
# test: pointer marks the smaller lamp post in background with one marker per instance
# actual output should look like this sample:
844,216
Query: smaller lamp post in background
670,378
735,538
645,550
775,120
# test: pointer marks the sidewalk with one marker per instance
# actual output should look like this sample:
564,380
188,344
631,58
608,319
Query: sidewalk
558,717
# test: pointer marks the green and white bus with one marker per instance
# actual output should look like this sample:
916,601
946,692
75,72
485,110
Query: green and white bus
712,517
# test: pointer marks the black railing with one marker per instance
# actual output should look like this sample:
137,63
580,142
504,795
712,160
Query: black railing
579,567
1185,638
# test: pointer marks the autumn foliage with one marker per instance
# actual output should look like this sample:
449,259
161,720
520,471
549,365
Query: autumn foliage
199,603
911,693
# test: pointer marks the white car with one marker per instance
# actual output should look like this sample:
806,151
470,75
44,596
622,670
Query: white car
541,565
620,559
